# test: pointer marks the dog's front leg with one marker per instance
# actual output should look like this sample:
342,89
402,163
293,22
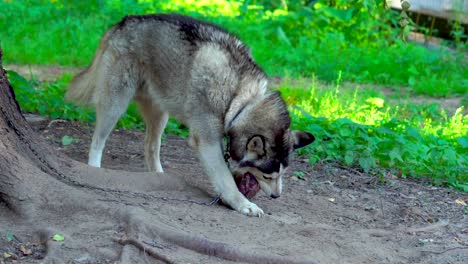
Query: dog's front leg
211,157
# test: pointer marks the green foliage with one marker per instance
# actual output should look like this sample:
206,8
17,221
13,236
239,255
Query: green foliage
358,38
299,174
46,98
367,133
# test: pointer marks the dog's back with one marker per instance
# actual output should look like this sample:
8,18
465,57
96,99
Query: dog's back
172,59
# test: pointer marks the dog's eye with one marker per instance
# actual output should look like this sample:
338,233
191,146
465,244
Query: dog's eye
269,167
266,177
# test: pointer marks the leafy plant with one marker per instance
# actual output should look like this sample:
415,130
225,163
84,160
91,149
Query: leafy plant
299,174
367,133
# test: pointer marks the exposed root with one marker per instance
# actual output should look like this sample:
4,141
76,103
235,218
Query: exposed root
443,251
131,241
199,244
410,230
427,228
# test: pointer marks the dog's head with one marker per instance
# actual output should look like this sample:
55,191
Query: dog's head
260,142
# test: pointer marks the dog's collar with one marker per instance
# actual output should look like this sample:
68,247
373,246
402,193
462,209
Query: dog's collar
227,156
229,124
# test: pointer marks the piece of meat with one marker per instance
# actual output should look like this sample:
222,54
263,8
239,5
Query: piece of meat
247,184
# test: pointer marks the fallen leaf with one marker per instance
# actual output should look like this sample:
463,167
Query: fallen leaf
424,242
7,255
333,200
461,202
58,237
10,236
460,241
26,251
67,140
299,174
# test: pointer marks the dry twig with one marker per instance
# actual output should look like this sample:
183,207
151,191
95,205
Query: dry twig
131,241
443,251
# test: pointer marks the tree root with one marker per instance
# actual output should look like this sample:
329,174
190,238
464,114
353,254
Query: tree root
428,228
131,241
443,251
409,230
136,226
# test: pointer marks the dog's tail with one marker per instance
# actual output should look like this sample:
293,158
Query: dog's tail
81,88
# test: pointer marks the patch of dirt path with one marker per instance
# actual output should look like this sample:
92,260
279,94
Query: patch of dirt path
335,215
41,72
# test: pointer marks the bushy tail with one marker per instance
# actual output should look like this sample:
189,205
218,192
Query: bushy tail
81,88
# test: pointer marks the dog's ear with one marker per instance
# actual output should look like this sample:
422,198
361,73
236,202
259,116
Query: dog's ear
301,139
255,146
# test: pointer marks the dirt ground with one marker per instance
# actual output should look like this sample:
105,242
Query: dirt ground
333,215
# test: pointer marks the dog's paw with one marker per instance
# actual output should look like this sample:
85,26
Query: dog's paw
251,209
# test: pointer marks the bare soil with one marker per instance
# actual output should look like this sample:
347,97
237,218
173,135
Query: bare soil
334,215
41,72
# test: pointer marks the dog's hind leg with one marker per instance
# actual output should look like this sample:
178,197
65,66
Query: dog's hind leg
106,118
115,90
155,121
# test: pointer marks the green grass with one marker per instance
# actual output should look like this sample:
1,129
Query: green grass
354,38
361,128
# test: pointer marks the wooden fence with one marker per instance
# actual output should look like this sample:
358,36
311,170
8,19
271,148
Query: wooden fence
437,15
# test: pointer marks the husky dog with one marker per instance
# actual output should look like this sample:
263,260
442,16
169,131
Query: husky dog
205,78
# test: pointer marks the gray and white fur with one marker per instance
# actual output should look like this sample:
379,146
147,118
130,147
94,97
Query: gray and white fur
204,77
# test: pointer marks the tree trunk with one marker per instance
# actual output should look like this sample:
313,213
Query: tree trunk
44,191
26,160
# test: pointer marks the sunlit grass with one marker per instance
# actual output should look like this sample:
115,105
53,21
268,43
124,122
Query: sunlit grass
364,128
370,107
204,7
363,107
